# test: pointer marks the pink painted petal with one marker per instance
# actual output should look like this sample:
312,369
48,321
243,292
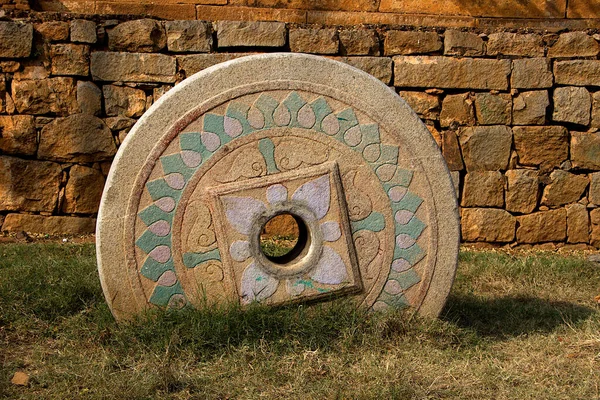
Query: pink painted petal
330,269
240,250
232,127
396,193
295,287
276,193
353,136
330,124
161,254
167,204
316,195
331,231
404,241
403,216
380,306
168,278
256,285
175,180
191,158
241,211
306,116
282,116
400,265
160,228
256,119
211,141
393,287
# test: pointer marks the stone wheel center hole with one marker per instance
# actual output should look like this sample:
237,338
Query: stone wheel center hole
283,238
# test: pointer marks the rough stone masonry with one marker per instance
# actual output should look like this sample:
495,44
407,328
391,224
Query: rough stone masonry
516,114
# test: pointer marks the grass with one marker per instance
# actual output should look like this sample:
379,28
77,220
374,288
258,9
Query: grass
516,327
277,245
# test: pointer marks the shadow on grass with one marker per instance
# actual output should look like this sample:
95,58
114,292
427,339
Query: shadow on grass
512,316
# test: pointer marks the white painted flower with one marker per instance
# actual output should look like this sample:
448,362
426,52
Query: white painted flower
241,212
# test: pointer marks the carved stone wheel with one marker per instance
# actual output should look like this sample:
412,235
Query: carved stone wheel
237,144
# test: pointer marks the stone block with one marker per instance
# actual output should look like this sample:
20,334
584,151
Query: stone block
161,10
124,101
487,225
486,148
542,226
427,106
574,44
188,36
529,108
31,72
83,31
457,109
28,185
595,123
53,95
564,188
483,189
89,98
514,44
578,223
531,73
77,138
193,63
572,104
544,146
594,193
16,39
250,34
133,67
70,59
83,190
379,67
138,36
595,231
232,13
410,42
451,151
522,190
359,42
493,109
451,73
316,41
583,9
49,225
585,150
464,44
53,31
577,72
18,135
119,123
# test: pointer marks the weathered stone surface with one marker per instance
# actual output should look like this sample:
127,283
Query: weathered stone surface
522,190
577,72
77,138
17,135
594,193
89,98
514,44
563,188
574,44
545,146
70,59
193,63
188,36
493,109
317,41
486,148
83,31
583,9
53,30
133,67
49,225
53,95
427,106
379,67
83,190
451,151
124,101
411,42
595,231
529,108
578,223
32,72
595,123
358,42
139,36
119,123
531,73
457,109
542,226
9,66
572,104
28,185
250,34
487,225
585,150
16,39
466,44
451,73
483,189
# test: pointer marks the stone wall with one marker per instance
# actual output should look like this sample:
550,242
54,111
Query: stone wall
515,114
